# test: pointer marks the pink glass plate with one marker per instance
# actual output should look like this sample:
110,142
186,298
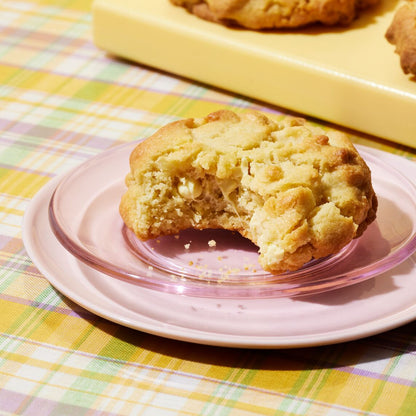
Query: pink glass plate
357,311
84,216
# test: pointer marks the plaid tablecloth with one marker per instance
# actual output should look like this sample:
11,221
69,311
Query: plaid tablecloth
63,101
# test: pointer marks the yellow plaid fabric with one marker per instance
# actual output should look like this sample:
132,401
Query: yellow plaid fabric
62,101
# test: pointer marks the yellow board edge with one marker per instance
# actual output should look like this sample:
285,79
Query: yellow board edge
349,76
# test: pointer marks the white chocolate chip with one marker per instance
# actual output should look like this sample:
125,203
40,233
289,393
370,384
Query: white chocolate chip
189,188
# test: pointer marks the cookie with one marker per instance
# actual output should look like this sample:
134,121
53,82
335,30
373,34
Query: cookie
271,14
295,190
402,34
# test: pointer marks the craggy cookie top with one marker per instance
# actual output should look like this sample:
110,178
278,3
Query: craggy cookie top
295,190
402,33
269,14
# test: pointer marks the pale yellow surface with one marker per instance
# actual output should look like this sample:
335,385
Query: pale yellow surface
349,76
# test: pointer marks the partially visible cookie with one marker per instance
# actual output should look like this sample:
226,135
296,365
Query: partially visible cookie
402,34
297,191
269,14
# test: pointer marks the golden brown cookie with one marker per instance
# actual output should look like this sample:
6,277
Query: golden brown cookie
269,14
402,34
295,190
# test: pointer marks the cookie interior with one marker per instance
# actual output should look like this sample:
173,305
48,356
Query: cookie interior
296,191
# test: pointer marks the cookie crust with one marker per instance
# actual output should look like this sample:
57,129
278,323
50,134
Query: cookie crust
295,190
272,14
402,34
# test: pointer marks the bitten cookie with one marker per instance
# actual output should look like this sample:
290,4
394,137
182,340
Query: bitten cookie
402,34
295,190
269,14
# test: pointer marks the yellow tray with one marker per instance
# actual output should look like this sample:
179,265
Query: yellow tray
349,76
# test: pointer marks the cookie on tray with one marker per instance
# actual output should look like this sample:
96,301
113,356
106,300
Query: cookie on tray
402,34
297,191
273,14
